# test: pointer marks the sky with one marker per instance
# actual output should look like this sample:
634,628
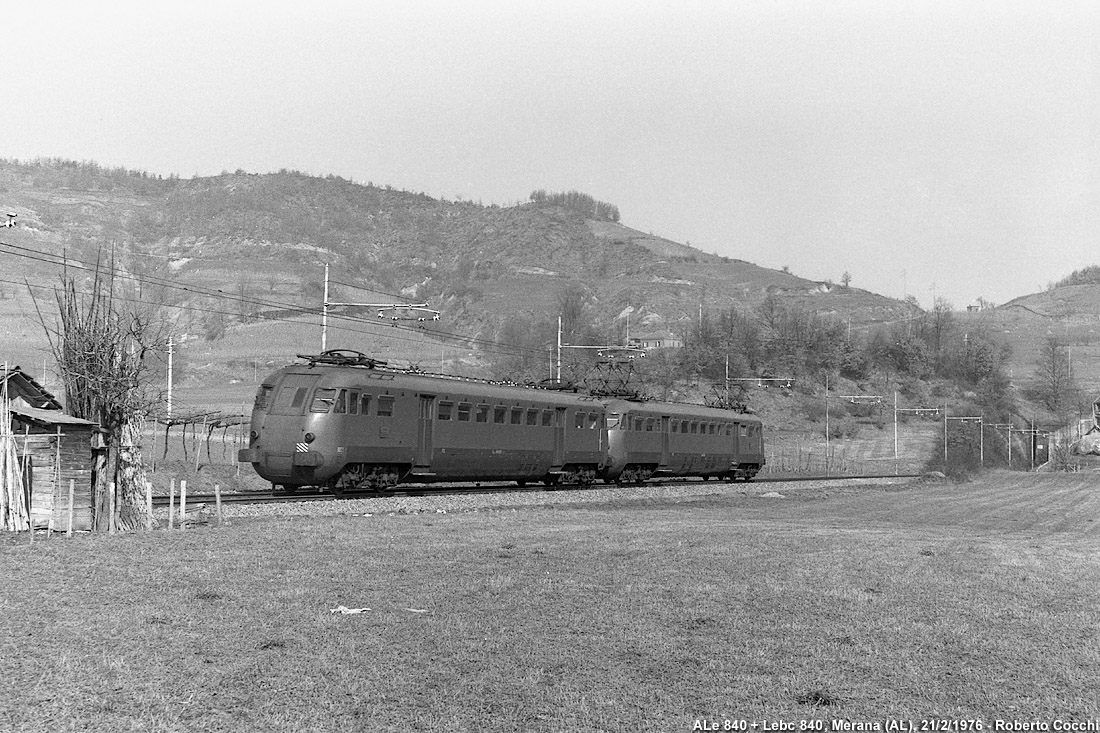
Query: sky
934,149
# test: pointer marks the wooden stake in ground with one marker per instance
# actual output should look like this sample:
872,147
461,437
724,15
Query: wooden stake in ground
72,500
13,506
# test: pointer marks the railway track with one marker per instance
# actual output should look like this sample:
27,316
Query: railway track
275,497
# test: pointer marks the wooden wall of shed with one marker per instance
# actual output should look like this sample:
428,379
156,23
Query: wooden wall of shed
49,496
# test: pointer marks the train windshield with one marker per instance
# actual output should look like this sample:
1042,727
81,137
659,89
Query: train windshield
291,397
613,419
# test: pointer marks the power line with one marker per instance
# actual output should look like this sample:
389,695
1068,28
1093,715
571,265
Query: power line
65,261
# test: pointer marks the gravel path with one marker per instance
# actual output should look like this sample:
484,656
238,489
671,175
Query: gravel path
450,503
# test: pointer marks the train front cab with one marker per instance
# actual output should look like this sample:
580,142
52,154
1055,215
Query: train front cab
282,433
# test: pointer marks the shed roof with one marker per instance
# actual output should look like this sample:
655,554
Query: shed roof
45,418
22,385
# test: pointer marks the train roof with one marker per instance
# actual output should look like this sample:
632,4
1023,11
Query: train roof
447,386
677,409
355,367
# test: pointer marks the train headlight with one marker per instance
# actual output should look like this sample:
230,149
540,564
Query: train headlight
310,437
253,434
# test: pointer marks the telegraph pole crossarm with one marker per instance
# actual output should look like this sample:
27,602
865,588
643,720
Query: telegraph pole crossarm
964,419
907,410
419,312
763,381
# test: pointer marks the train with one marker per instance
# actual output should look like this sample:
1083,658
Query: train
343,422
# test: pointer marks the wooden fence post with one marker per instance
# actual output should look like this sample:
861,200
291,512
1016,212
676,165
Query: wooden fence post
72,498
171,502
218,502
183,505
111,508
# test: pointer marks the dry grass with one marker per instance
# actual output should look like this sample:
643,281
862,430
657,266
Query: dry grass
966,601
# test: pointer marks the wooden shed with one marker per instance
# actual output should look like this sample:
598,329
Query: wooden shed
54,449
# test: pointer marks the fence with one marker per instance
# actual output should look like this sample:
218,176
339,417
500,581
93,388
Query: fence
210,438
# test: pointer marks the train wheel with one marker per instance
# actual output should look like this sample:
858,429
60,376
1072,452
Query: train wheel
521,483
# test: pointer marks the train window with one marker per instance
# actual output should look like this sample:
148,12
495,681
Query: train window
482,414
578,420
711,428
694,427
385,406
341,402
353,402
445,409
729,431
675,426
262,397
638,424
744,431
593,420
464,412
649,425
517,415
322,400
547,418
499,413
613,420
292,395
364,404
532,417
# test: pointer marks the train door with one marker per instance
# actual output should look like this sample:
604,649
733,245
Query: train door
664,442
424,428
559,436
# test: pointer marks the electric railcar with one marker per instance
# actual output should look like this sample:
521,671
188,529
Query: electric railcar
341,421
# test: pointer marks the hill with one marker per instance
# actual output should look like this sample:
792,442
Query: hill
223,251
1069,313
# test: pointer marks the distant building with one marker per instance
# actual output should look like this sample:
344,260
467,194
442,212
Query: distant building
656,340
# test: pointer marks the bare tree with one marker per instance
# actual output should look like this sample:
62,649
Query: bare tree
1055,380
104,355
572,301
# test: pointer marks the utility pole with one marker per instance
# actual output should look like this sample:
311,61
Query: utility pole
965,419
914,410
170,353
324,315
558,377
397,308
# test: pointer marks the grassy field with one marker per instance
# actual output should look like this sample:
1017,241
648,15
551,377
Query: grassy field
979,600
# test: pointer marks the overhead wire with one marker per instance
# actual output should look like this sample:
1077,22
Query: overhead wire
77,263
